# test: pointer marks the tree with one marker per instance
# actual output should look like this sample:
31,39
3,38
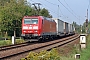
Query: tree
77,27
44,12
11,14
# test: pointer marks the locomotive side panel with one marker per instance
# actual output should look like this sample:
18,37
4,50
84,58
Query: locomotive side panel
48,27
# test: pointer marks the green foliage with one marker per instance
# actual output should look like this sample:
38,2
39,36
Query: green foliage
45,12
5,42
88,27
85,54
19,41
77,27
9,42
43,55
11,14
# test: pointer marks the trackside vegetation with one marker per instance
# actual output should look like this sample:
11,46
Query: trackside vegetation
43,55
54,54
9,42
11,14
84,53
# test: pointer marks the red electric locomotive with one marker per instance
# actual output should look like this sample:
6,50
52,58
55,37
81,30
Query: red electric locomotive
38,27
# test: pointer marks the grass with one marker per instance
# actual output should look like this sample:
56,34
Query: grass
5,42
9,42
43,55
84,53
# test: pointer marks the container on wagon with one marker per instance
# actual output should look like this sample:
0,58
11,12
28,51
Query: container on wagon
59,26
66,28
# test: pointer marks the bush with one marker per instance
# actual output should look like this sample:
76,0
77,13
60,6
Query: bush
9,42
43,55
19,41
5,42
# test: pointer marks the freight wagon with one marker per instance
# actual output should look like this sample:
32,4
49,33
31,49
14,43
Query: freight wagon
66,28
59,27
71,29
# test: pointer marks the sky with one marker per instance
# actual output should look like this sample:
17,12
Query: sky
66,10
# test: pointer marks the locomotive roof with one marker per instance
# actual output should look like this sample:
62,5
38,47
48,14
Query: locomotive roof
46,18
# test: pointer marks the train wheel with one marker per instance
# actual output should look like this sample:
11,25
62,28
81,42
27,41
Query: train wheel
40,40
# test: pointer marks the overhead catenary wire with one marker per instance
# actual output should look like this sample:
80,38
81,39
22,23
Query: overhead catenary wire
51,3
68,9
48,7
32,1
89,4
45,5
72,10
58,8
61,12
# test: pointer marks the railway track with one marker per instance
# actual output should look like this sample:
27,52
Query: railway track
2,48
17,53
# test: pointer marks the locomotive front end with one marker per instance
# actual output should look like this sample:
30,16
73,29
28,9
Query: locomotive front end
30,27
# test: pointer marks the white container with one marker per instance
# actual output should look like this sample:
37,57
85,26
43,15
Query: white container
66,28
59,26
73,28
69,27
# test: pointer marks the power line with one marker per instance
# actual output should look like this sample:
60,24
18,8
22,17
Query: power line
89,4
51,3
68,9
32,1
61,11
48,7
72,10
58,8
51,8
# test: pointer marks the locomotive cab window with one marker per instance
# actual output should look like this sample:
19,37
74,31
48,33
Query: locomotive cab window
34,21
30,21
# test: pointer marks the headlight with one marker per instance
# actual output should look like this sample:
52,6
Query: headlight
35,27
25,27
24,31
30,27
